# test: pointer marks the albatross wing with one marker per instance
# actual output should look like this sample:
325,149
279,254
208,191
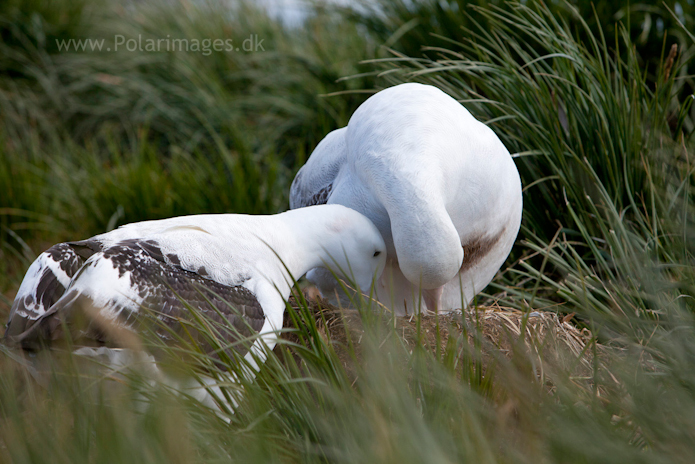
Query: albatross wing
313,183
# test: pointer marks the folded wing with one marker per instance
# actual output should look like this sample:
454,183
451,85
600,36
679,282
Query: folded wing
113,287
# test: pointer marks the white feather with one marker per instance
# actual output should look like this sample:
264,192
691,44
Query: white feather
432,178
264,254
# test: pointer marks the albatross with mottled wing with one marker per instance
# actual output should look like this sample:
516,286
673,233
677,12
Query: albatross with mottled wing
439,185
237,269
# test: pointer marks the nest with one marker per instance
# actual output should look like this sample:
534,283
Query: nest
550,342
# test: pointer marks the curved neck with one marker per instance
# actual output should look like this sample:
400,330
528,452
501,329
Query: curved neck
307,235
427,244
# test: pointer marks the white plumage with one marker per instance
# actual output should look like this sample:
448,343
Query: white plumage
208,260
439,185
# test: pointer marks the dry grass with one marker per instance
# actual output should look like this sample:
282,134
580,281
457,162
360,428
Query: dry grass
550,343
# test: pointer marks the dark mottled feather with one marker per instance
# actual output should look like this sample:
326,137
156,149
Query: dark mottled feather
302,194
86,248
167,292
319,198
70,257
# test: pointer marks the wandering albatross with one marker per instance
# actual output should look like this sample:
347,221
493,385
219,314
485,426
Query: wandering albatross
211,262
439,185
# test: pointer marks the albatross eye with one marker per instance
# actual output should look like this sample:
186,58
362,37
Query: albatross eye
377,253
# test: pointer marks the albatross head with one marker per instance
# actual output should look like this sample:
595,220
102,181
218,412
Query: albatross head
351,245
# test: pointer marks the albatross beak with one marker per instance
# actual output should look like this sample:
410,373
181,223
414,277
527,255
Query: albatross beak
433,298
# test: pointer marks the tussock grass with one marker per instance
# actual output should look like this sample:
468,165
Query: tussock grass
602,167
326,397
94,139
599,116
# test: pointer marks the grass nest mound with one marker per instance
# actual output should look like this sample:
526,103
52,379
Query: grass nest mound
550,341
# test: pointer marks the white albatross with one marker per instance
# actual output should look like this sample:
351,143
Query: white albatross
236,269
439,185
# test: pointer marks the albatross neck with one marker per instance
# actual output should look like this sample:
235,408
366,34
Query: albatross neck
305,231
427,244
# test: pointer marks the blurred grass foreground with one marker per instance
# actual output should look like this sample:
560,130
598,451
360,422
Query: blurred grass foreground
595,102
